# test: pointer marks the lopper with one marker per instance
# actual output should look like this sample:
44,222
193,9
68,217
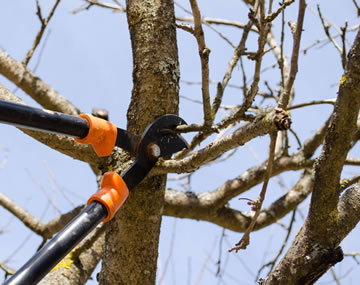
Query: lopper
158,140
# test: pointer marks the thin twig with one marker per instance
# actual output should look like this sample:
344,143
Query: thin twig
170,252
179,177
33,86
325,40
296,137
273,262
203,20
264,28
31,222
285,241
51,201
225,107
216,21
352,161
221,35
244,88
285,96
8,271
343,41
46,230
218,263
204,52
116,8
41,51
357,7
238,52
281,58
256,205
203,267
282,7
186,28
270,6
333,274
44,23
326,27
312,103
352,254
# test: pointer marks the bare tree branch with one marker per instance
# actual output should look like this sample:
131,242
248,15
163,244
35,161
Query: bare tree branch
186,28
44,23
256,205
357,7
217,22
328,213
311,103
31,222
90,3
279,253
46,230
327,32
259,127
32,85
284,97
60,143
204,57
238,52
7,270
197,206
343,41
264,28
204,206
282,7
240,49
220,91
326,39
337,143
352,254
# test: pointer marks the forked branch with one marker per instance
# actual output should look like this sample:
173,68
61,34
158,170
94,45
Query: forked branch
44,23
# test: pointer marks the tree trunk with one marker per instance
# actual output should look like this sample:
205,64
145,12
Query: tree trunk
132,237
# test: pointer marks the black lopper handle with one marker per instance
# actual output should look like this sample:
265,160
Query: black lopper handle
54,251
44,120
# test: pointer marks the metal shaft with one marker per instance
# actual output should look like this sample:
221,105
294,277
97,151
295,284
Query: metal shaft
43,120
55,250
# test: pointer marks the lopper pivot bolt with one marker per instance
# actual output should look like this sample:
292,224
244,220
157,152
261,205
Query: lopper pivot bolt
158,140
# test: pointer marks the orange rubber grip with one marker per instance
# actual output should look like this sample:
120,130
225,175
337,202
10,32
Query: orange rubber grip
112,194
101,135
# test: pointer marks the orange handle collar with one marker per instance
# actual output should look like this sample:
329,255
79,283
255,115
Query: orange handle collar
112,194
101,135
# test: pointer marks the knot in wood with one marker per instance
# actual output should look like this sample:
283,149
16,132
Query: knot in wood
282,119
206,51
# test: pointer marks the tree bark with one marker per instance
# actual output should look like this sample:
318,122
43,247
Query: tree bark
132,237
76,269
316,246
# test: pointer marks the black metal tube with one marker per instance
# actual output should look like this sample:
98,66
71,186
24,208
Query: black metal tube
55,250
43,120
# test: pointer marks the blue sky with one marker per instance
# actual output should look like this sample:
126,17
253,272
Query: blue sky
87,59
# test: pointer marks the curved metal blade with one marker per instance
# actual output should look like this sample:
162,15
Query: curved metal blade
159,133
